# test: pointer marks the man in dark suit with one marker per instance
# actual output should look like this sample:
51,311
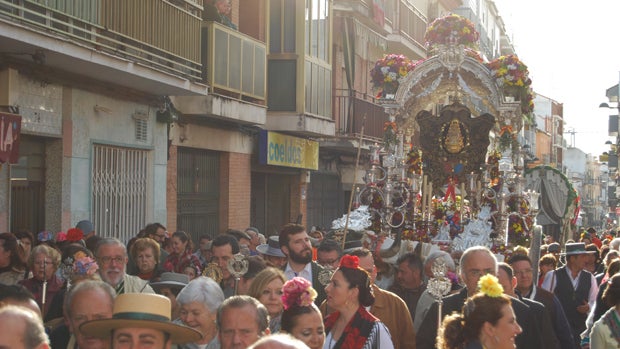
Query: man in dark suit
475,262
295,244
522,267
506,278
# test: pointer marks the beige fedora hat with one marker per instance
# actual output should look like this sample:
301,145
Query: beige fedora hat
141,310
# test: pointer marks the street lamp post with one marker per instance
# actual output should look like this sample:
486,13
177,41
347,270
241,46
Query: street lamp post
612,161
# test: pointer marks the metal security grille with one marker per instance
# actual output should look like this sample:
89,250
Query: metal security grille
119,191
198,188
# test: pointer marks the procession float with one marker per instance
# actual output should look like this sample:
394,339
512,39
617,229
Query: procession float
450,172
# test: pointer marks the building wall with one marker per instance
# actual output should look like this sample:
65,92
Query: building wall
236,180
235,171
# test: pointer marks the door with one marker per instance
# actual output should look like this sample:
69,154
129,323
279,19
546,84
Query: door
28,186
198,192
270,203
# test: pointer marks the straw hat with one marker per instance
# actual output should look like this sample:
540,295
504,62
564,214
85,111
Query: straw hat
141,310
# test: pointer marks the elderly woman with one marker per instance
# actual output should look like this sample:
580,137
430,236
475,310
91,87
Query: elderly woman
199,301
487,321
351,326
267,288
145,254
44,261
182,254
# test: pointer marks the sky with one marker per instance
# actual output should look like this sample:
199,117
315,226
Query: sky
573,56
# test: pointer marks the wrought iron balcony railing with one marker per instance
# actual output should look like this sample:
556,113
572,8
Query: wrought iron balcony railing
350,107
161,34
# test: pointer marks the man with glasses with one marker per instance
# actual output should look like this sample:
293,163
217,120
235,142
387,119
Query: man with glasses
329,253
522,266
475,262
112,259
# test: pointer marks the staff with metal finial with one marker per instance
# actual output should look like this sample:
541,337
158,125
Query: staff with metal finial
439,285
238,266
44,285
357,164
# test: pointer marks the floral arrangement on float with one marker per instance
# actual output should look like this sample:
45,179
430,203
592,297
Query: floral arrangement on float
451,29
519,225
389,134
513,76
414,161
387,72
506,138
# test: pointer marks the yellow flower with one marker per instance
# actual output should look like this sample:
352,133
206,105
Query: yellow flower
489,285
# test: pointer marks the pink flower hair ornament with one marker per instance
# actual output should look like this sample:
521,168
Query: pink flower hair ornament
297,292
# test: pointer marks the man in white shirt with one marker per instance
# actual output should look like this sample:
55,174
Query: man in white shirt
295,244
575,288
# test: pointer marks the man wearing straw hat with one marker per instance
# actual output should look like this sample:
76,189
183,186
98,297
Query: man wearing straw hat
575,288
141,321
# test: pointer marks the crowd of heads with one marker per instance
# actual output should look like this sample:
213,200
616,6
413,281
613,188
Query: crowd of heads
198,283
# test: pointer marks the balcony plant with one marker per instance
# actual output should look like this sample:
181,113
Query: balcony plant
451,30
387,72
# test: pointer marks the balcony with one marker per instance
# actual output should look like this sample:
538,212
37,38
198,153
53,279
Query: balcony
409,39
349,111
151,45
235,63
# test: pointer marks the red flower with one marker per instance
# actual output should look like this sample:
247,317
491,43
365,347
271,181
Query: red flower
75,234
348,261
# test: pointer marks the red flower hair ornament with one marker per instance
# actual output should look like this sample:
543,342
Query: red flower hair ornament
75,234
297,292
348,261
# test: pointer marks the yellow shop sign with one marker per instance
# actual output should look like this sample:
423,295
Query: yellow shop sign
282,150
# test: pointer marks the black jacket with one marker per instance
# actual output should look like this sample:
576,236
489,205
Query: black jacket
530,338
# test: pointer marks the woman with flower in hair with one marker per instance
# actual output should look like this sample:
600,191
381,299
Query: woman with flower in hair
487,321
301,318
351,326
182,254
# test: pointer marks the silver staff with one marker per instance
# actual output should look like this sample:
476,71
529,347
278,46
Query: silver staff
238,266
439,285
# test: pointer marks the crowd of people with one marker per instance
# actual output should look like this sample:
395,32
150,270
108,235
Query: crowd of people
298,289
